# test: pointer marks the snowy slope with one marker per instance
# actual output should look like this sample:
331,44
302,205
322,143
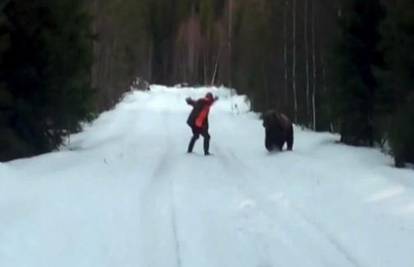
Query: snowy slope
125,193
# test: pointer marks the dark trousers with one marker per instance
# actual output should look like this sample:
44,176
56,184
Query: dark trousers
196,134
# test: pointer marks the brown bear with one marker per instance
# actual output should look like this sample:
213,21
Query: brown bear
278,130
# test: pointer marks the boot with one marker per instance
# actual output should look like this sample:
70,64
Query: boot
206,145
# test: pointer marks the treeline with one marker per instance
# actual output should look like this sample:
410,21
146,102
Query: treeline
45,61
276,51
373,74
337,65
161,41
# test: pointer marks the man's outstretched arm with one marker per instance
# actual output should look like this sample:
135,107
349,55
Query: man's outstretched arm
190,101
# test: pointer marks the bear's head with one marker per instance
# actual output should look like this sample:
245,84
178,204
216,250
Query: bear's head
269,118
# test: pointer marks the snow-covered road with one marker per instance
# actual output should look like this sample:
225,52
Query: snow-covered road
125,193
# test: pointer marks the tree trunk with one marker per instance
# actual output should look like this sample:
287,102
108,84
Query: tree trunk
285,53
230,45
150,59
213,78
306,35
313,68
295,100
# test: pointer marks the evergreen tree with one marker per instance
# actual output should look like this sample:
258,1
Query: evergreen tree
253,59
45,74
122,48
396,98
356,58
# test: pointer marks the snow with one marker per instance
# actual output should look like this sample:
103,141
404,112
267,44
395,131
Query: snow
124,193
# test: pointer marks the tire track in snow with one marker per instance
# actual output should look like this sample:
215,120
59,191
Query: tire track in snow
160,190
173,207
261,248
174,225
172,199
231,162
244,170
164,167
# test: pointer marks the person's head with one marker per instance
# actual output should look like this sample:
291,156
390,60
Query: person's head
209,96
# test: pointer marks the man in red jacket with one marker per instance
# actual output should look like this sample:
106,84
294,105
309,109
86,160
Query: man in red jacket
198,120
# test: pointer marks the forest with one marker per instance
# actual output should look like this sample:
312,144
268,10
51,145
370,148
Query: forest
343,66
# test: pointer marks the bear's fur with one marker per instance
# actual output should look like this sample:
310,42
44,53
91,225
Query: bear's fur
278,130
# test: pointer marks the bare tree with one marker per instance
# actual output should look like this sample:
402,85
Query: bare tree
285,51
313,67
306,35
230,36
295,99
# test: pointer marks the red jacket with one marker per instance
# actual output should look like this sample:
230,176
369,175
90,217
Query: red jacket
199,115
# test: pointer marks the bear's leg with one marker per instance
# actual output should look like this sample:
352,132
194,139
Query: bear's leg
280,145
289,138
268,143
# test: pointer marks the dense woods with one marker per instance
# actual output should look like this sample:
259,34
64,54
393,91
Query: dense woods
338,65
45,61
